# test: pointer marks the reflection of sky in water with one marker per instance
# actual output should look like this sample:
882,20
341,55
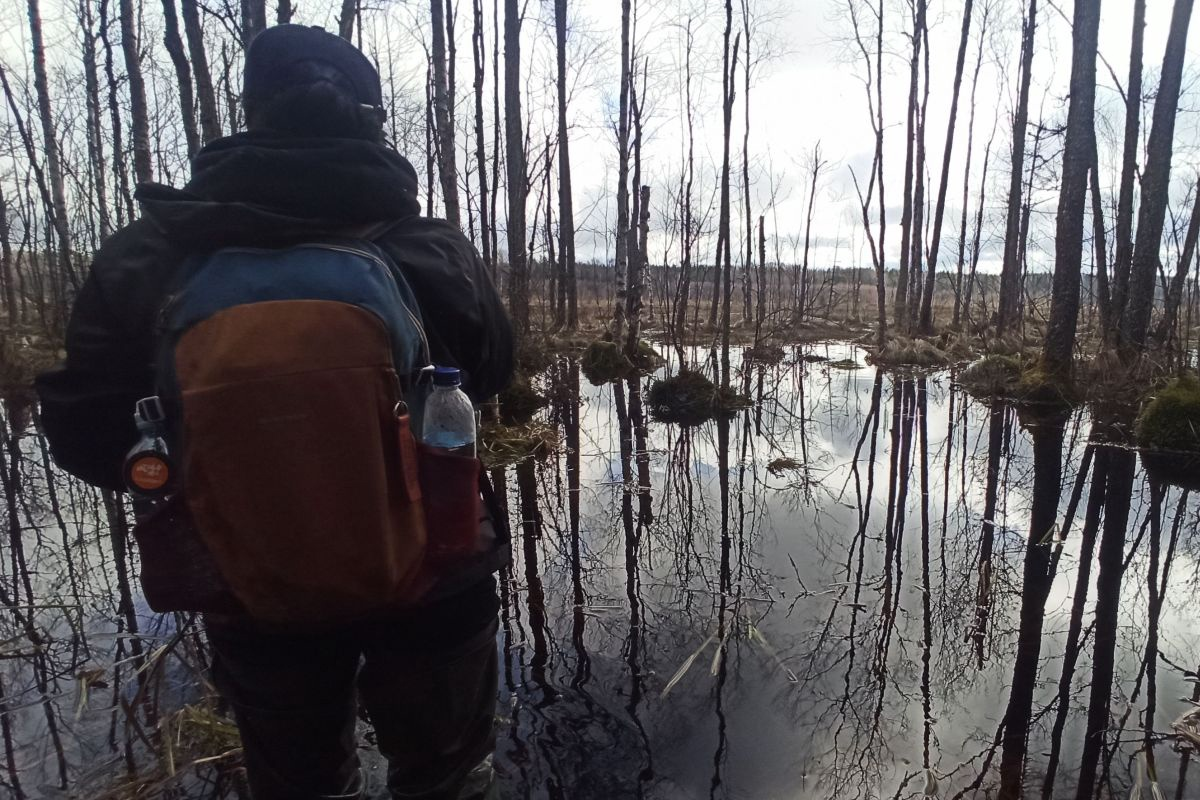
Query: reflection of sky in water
816,697
852,723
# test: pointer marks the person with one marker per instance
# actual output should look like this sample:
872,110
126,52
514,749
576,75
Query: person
313,159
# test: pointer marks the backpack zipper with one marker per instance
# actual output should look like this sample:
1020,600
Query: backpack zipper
425,350
387,270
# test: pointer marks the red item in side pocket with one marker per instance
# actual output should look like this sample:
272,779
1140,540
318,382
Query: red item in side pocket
450,497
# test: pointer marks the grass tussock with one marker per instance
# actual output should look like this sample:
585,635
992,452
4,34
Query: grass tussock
603,362
1171,420
519,402
1168,430
846,364
23,356
994,375
768,353
690,398
606,362
504,445
904,352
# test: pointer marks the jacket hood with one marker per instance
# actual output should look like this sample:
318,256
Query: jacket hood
251,187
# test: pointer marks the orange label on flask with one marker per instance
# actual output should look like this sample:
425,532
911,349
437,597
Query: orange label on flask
149,473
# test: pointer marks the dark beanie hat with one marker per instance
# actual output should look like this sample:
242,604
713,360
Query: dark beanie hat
274,51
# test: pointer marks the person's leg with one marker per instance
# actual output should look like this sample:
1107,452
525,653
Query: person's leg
294,700
432,700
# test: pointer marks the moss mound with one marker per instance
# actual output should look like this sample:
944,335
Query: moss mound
603,362
994,375
1171,420
690,398
519,402
1039,387
504,445
764,353
1169,431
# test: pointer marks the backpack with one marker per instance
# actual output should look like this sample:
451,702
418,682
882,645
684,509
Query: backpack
286,374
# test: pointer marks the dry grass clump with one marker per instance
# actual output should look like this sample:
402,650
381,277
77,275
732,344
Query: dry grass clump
504,445
690,398
194,738
783,465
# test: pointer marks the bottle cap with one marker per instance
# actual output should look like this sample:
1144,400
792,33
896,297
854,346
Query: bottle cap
446,376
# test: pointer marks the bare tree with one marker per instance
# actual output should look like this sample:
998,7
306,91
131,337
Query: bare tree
206,98
566,204
518,278
1123,236
143,168
57,206
1166,325
623,125
346,19
962,230
815,165
1078,153
254,19
443,114
183,75
1156,180
479,54
912,120
926,322
1010,275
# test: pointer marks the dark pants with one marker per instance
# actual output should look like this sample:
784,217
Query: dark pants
427,681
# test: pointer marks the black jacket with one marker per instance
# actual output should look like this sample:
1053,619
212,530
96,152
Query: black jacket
256,190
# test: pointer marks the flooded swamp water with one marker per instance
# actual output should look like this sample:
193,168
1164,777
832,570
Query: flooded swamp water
833,594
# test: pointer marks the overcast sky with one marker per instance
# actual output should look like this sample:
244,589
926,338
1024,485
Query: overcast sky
806,87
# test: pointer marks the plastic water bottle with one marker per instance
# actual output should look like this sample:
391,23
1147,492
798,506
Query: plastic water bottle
449,417
149,469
